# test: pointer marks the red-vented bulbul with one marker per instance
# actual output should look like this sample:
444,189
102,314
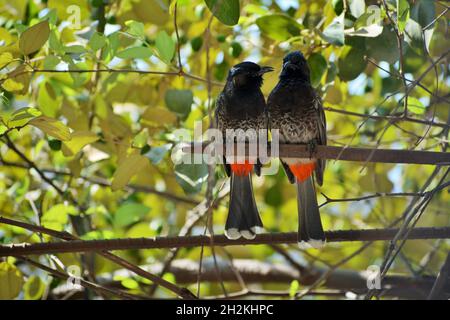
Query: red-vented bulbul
241,105
295,109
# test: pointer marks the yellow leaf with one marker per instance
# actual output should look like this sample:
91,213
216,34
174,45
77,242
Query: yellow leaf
6,36
52,127
11,281
127,169
12,86
18,80
77,142
32,39
34,288
5,58
156,117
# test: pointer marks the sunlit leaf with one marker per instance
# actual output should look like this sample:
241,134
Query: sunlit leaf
334,32
278,26
129,213
34,288
79,139
11,281
402,14
52,127
135,28
5,59
127,169
416,106
165,45
97,41
22,117
135,53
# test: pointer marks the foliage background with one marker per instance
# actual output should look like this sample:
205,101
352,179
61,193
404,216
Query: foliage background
88,130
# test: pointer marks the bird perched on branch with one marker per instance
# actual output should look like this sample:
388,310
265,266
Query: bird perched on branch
241,112
295,109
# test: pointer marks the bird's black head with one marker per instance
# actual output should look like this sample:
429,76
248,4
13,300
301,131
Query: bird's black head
247,75
295,66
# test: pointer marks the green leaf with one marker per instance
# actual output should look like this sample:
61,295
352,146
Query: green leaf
33,38
52,127
196,43
3,128
402,14
135,53
351,63
293,288
227,11
165,45
318,65
236,49
55,145
191,176
279,27
77,49
416,106
51,61
366,26
156,154
357,7
423,12
11,281
135,28
54,43
97,41
127,169
34,288
338,6
129,213
57,216
334,32
179,101
130,283
22,116
383,47
140,140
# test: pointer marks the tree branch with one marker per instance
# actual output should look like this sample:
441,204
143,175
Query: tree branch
350,154
219,240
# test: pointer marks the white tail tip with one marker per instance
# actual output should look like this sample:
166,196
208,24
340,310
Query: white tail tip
311,243
232,234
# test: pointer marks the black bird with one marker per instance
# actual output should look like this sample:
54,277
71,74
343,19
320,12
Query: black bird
295,109
241,105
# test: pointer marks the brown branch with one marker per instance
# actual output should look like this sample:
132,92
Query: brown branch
257,272
353,154
388,118
84,283
161,73
182,292
384,194
441,280
105,183
203,240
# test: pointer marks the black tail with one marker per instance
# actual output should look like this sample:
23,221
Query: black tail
243,217
310,231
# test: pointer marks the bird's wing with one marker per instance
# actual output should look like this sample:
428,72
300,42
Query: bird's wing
322,137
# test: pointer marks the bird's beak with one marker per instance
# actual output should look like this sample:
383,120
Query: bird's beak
265,70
